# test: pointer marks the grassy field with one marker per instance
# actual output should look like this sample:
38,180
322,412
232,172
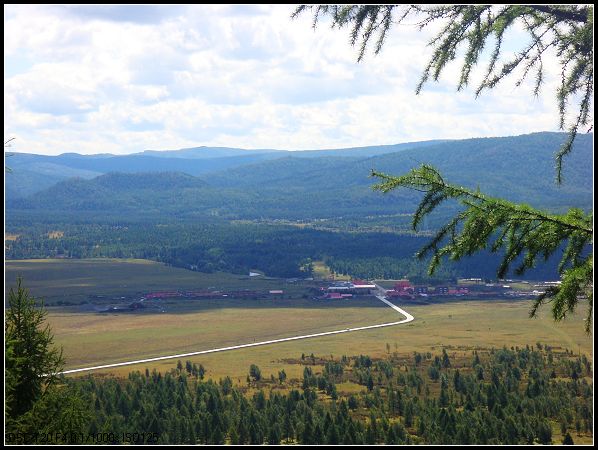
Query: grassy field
75,281
459,326
92,338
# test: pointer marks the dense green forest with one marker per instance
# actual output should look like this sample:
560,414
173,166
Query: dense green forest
278,250
498,396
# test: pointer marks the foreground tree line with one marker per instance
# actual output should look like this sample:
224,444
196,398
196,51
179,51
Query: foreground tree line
506,396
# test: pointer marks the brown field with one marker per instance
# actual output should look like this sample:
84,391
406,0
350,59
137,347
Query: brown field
10,237
460,326
95,338
55,234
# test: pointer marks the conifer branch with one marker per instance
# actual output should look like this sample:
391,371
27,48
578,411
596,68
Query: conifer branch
523,231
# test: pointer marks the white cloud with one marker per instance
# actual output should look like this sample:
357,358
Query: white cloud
127,78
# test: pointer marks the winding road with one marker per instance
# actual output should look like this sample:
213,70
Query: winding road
380,294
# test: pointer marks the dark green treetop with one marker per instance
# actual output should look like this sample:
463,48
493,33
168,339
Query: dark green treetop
31,360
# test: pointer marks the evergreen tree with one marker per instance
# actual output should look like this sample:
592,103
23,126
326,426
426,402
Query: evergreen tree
391,436
544,433
31,361
282,376
61,409
255,432
307,434
318,437
568,440
446,362
201,371
255,373
457,381
274,434
369,382
289,429
409,414
333,435
187,411
443,399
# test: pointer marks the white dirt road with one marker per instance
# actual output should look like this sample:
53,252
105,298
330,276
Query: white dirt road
379,294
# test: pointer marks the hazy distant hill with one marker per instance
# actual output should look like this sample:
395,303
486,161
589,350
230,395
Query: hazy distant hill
113,192
365,152
519,168
32,173
204,152
217,152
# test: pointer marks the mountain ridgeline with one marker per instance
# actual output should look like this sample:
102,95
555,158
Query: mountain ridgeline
234,210
33,173
296,185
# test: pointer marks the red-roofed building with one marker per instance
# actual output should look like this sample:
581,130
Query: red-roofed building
403,285
392,293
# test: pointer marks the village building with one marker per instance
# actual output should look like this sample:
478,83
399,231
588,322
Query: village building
403,285
420,289
357,287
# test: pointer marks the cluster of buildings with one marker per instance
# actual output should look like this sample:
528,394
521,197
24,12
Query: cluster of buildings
246,293
403,289
347,289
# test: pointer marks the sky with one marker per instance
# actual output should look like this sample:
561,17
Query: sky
123,79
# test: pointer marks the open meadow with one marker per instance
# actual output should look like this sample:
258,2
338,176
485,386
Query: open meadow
77,281
459,327
91,338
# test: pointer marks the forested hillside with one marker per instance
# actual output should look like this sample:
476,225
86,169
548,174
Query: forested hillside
517,168
32,173
278,250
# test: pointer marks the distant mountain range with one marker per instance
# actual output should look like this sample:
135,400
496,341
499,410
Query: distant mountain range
33,173
238,183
